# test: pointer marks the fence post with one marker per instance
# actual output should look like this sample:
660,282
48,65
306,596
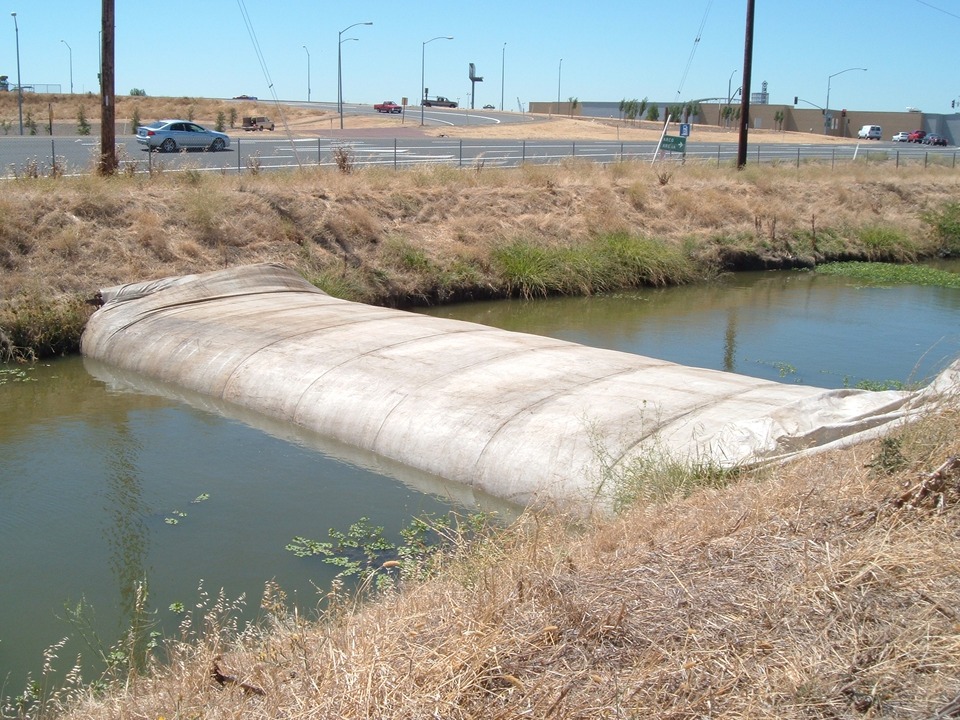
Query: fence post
318,152
621,152
897,165
394,153
798,158
523,151
573,149
833,158
718,155
925,160
461,153
238,157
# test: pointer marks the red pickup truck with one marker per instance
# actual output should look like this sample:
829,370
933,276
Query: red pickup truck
388,106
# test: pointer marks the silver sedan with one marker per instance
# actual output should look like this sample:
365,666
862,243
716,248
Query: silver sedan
173,135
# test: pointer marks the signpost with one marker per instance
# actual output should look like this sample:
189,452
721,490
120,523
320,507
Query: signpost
674,144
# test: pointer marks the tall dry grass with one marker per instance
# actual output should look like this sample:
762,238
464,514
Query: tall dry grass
822,589
72,236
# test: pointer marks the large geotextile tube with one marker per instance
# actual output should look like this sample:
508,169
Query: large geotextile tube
522,417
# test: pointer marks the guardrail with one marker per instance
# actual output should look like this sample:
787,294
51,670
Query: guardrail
22,157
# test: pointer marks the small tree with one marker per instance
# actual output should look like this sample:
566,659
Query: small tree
191,111
653,113
221,122
31,123
778,118
233,117
138,92
574,104
4,83
135,118
83,127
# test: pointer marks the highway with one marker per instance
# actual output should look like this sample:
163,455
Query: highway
402,146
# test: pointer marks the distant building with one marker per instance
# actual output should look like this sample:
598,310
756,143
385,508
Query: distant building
839,122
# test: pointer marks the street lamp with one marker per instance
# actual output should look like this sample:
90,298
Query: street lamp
16,29
729,81
423,55
826,109
340,66
503,59
308,72
71,64
559,71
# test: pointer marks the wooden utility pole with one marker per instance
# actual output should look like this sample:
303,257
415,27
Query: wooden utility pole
745,92
108,112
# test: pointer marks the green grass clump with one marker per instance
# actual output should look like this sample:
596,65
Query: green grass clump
606,263
946,226
40,327
885,243
890,274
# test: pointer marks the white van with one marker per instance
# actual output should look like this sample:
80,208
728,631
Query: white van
870,132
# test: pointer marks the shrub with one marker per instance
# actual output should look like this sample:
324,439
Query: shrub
83,127
946,227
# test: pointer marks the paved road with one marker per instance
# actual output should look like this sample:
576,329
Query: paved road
24,156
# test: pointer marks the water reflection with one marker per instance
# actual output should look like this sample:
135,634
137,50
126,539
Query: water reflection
92,465
787,326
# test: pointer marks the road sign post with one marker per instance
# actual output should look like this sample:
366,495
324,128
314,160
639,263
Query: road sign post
674,144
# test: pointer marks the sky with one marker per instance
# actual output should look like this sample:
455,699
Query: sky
525,50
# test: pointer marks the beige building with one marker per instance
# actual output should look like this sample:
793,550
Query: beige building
844,123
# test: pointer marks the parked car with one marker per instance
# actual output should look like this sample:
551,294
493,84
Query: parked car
388,106
933,139
489,107
245,97
917,136
257,122
173,135
902,136
870,132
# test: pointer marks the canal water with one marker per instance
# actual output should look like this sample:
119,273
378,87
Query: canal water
108,480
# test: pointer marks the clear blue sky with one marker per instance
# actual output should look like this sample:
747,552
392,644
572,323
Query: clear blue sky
603,50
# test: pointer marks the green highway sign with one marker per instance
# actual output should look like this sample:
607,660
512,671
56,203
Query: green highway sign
674,144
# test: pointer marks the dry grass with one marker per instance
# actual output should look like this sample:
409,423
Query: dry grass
76,235
823,589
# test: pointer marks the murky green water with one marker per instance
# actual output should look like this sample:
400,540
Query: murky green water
94,463
786,326
94,471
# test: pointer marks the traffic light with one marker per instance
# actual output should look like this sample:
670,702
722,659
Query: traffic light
843,113
795,99
953,103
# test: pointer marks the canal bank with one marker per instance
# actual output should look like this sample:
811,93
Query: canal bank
437,235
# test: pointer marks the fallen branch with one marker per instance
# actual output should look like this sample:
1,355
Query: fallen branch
222,679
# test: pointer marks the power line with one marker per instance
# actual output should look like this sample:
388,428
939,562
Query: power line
934,7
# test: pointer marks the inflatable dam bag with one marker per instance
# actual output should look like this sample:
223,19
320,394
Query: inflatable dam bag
529,419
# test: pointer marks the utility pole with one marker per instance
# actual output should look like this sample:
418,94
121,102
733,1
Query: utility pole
108,110
745,91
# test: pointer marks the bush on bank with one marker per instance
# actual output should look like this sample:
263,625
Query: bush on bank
439,234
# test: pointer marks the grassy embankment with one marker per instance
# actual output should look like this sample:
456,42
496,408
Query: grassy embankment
439,234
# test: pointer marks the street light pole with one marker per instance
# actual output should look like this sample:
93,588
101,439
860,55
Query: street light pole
423,55
503,60
16,29
340,68
308,73
71,64
729,82
826,109
559,71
